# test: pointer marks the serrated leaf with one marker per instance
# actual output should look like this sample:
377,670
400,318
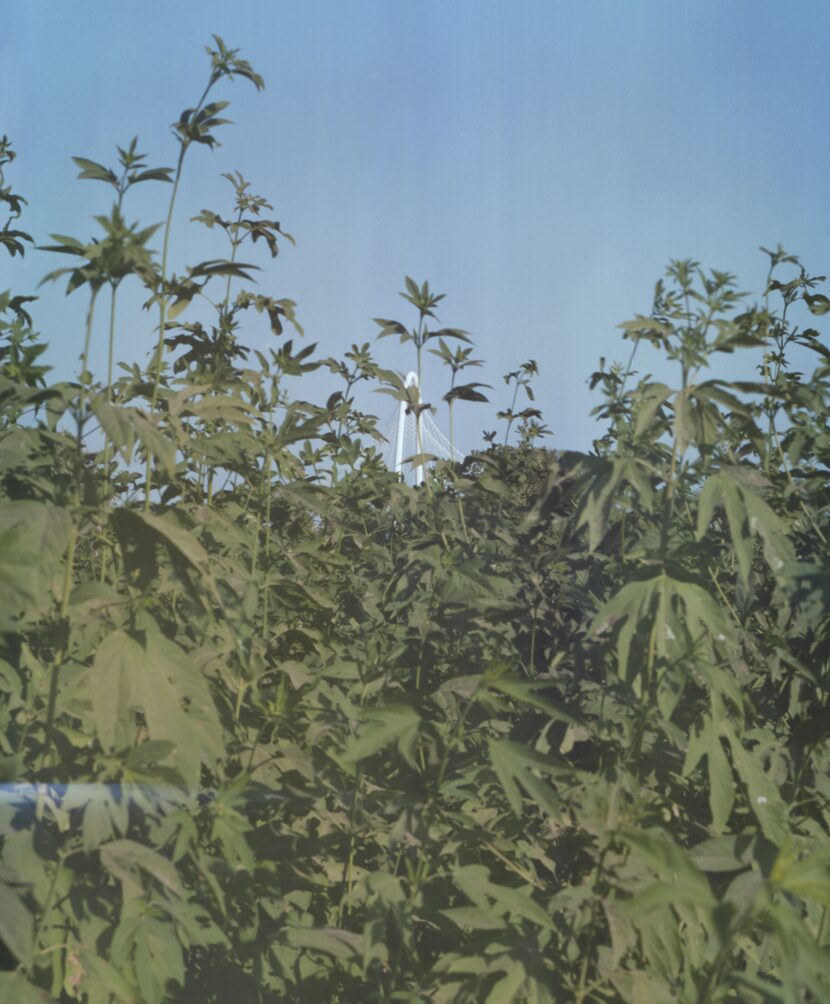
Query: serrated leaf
119,425
765,801
652,398
747,515
96,172
152,174
675,870
396,723
632,605
155,443
474,882
117,667
103,980
525,692
603,477
125,856
721,782
157,955
514,765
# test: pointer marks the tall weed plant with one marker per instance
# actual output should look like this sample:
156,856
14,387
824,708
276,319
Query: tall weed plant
275,726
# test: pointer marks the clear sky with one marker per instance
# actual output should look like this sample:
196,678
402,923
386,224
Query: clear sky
539,161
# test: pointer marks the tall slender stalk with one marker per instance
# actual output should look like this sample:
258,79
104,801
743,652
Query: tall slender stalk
235,242
512,406
165,248
90,316
111,345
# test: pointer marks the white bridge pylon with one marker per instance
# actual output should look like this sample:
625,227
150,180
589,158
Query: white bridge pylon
412,434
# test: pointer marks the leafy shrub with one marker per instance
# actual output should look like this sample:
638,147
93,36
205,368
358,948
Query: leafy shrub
550,727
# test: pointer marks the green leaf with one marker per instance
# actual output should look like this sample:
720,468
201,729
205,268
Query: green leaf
97,826
103,980
632,606
118,424
16,924
770,993
95,172
473,918
166,530
332,941
16,989
152,174
732,501
723,854
196,730
467,392
155,443
639,987
525,692
116,669
721,783
396,723
507,988
124,858
158,959
650,328
653,396
683,419
747,515
474,882
603,479
675,870
778,551
765,800
817,303
392,328
182,301
514,765
33,539
808,878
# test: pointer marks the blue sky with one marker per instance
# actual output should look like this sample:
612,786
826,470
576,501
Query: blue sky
539,161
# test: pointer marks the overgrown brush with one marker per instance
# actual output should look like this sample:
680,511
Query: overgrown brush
552,727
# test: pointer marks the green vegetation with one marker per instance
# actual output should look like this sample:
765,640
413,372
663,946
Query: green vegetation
550,728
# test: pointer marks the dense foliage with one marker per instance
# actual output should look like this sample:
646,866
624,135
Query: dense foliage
549,727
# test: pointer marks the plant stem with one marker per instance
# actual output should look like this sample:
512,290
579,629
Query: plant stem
88,336
820,932
184,145
111,347
48,902
267,485
164,253
110,356
512,406
235,242
68,577
159,354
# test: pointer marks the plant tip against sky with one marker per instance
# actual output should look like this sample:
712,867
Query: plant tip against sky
538,162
